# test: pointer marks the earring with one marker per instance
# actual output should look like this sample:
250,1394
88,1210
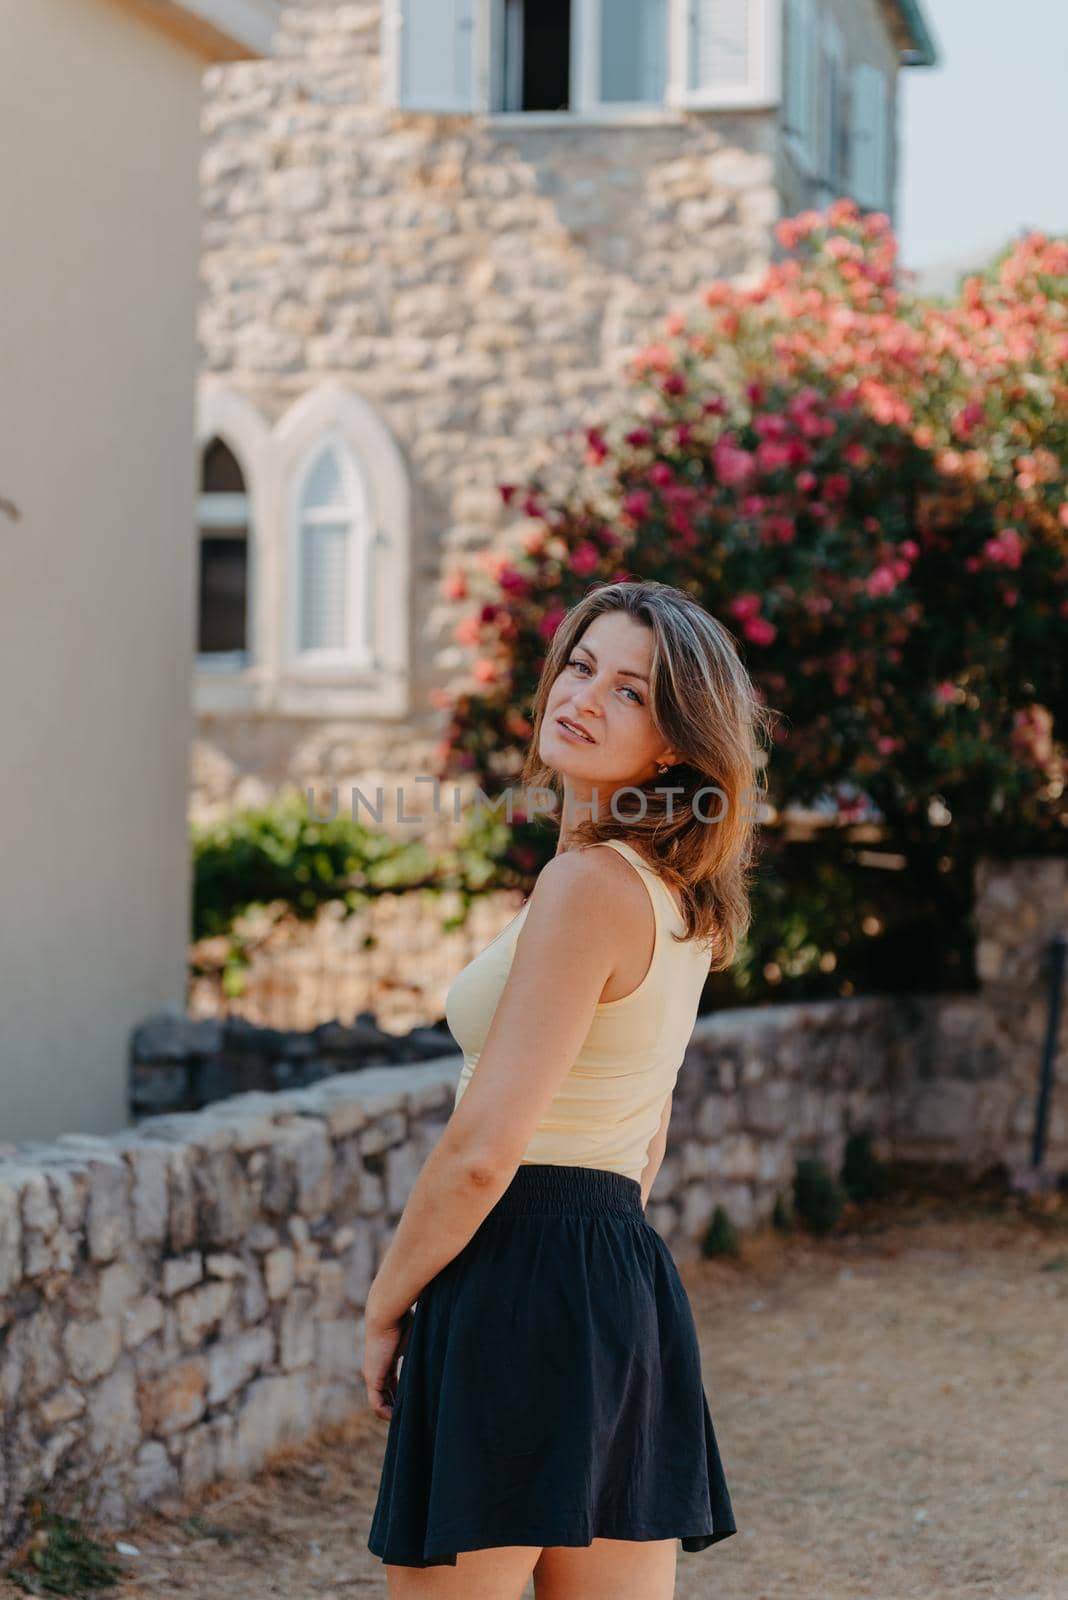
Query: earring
662,769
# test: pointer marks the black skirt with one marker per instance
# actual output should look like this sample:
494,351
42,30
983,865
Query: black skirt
551,1391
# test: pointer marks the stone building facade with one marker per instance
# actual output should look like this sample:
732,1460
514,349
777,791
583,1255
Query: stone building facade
416,277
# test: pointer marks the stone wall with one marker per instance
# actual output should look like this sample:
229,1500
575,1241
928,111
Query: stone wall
480,284
178,1299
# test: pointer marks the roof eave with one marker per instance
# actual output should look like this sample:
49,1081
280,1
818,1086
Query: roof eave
915,41
221,30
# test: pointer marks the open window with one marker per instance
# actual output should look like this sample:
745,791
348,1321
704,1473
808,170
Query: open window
590,57
223,587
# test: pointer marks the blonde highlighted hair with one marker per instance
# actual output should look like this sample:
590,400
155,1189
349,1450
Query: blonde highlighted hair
705,705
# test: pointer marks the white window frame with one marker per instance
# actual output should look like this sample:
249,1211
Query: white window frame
357,651
762,92
764,87
276,680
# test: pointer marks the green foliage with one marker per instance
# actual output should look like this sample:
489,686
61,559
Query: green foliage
863,1176
721,1236
279,860
818,1200
61,1558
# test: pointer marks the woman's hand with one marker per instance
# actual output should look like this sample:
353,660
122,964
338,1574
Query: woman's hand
384,1344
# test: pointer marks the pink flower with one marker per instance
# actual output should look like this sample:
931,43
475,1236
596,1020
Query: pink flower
945,693
484,670
468,630
806,482
772,455
596,449
882,581
772,425
638,437
745,605
585,558
455,586
674,383
778,530
512,582
759,630
732,464
1005,550
661,474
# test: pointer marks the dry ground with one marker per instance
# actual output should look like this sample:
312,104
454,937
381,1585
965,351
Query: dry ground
891,1406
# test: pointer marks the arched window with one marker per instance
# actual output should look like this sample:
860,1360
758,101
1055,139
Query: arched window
340,504
334,533
224,523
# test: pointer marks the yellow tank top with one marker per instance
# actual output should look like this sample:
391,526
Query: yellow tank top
609,1105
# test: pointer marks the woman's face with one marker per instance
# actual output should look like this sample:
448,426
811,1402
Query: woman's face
603,689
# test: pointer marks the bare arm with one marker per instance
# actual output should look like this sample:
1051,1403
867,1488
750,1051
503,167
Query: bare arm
576,928
657,1146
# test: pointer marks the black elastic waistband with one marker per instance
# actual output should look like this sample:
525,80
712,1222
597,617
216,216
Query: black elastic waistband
583,1191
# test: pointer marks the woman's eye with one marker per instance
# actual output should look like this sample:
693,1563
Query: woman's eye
638,701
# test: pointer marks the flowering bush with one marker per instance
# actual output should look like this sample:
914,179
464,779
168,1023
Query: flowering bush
869,488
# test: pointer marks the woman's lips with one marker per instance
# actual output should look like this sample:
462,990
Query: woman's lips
570,734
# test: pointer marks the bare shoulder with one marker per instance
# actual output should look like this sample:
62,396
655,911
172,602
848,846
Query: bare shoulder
592,885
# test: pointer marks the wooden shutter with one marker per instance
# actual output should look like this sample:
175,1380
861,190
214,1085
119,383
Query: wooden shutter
869,136
799,101
437,55
829,105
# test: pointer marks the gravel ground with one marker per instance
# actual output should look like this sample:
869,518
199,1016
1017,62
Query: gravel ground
891,1406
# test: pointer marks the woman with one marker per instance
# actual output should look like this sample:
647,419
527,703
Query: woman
548,1414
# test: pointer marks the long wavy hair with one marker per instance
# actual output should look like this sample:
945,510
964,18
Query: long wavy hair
704,703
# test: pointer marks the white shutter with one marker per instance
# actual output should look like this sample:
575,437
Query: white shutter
437,55
720,45
869,136
325,537
324,585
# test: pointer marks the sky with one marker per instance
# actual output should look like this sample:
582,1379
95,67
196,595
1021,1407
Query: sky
984,136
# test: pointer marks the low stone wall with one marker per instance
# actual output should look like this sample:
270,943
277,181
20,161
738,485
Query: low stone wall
180,1298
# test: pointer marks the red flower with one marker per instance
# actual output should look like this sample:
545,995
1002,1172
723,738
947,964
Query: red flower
759,630
585,558
636,505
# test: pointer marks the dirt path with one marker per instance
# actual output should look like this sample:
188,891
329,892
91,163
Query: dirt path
892,1409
